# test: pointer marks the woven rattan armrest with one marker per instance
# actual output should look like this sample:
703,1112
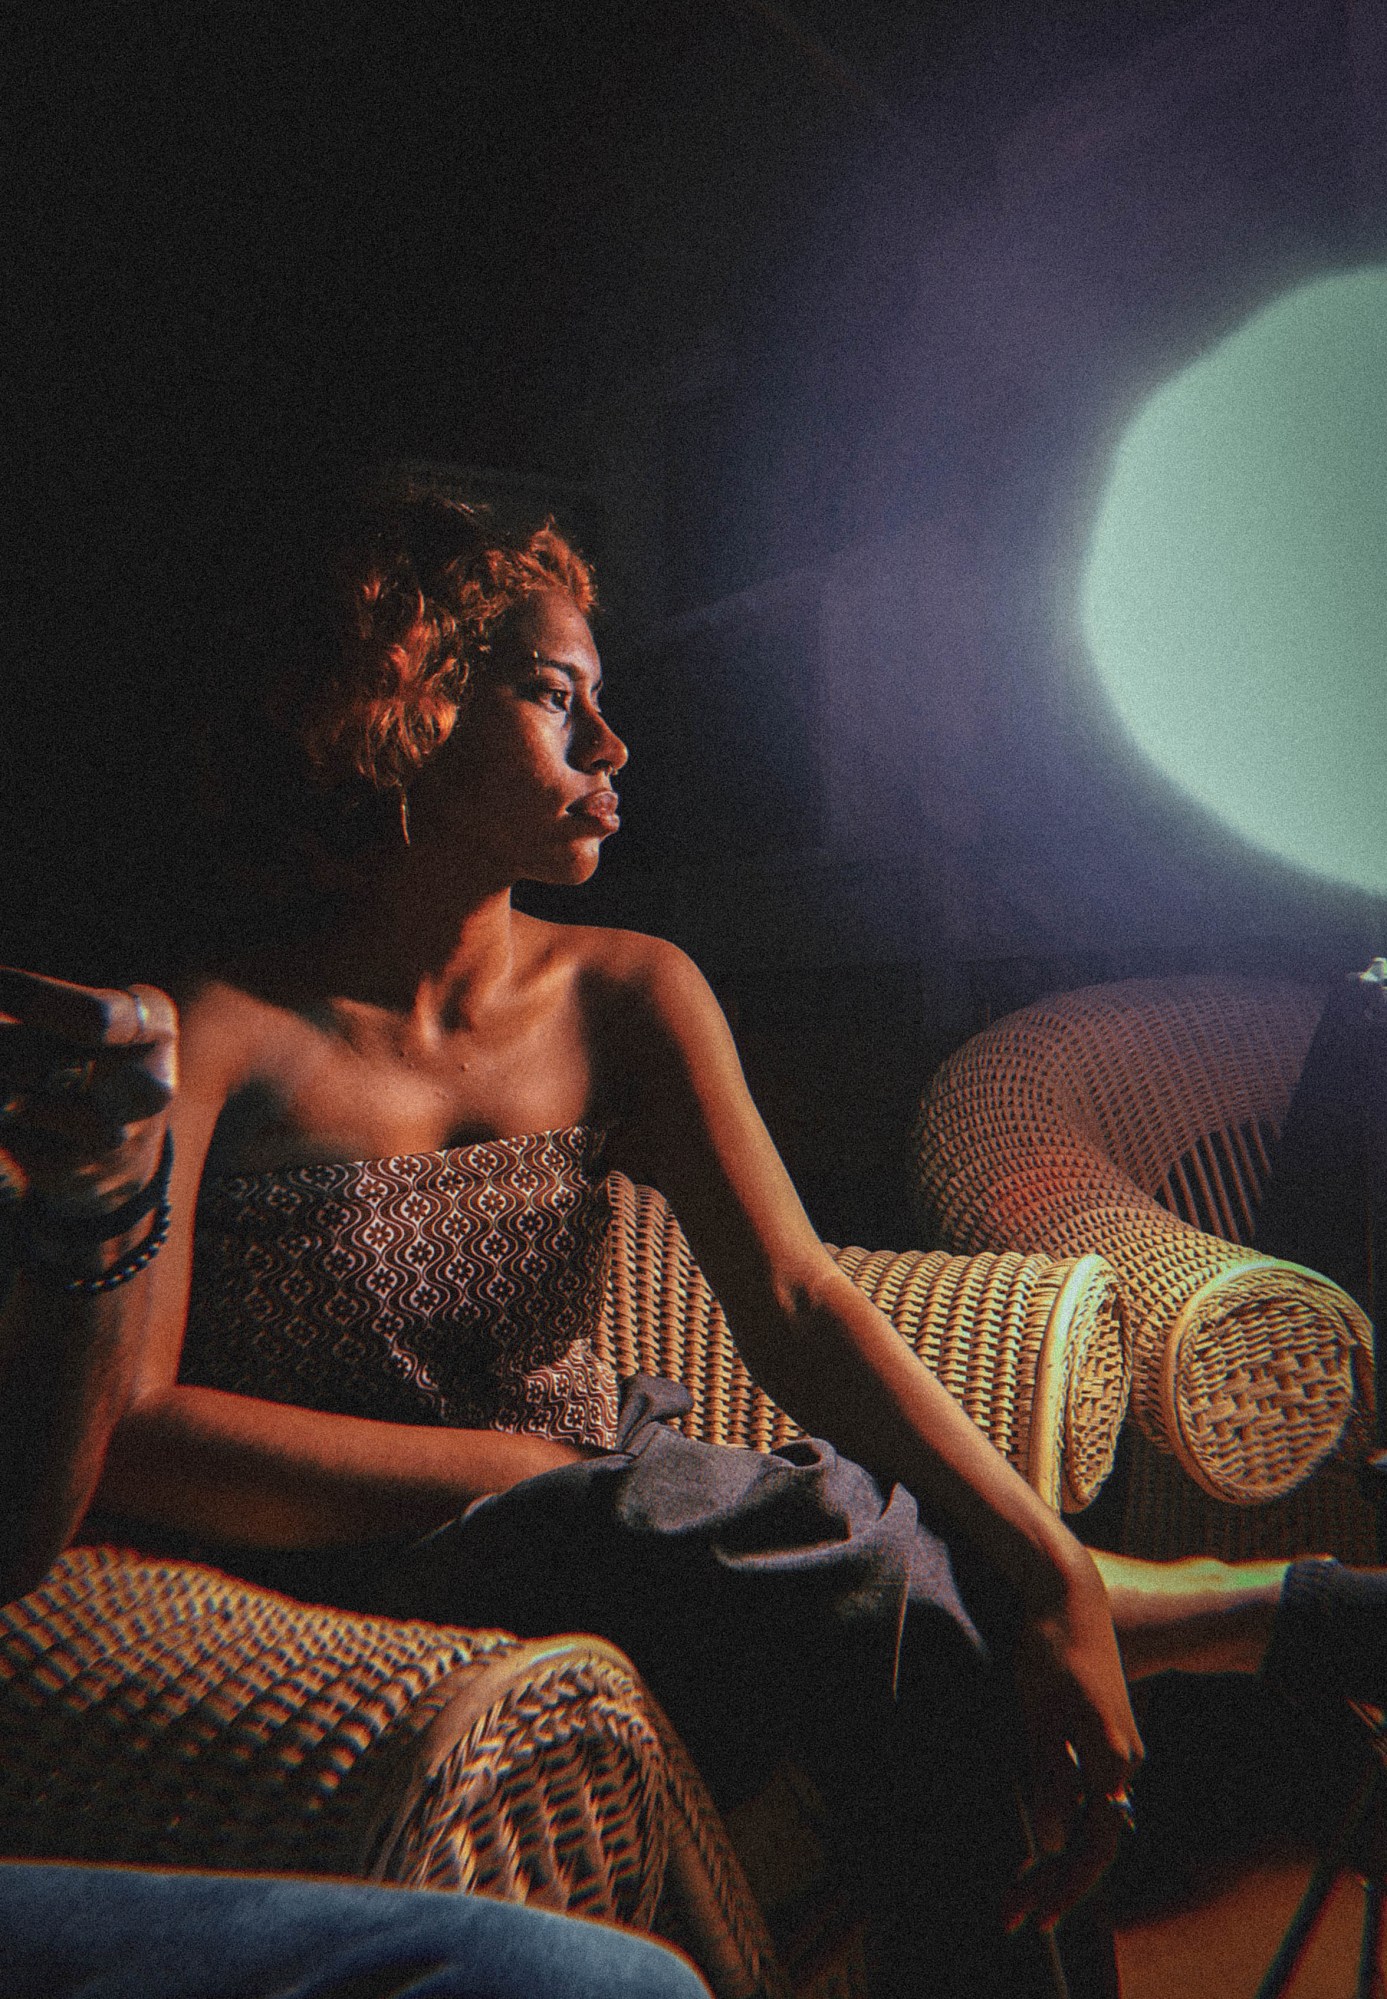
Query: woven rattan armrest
1034,1348
1246,1368
163,1713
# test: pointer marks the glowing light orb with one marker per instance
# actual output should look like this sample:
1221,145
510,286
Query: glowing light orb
1235,594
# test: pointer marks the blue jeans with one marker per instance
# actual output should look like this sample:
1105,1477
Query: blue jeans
74,1932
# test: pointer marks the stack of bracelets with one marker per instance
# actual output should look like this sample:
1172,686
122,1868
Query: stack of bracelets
50,1239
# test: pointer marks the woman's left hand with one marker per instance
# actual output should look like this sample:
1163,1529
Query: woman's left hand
87,1074
1084,1747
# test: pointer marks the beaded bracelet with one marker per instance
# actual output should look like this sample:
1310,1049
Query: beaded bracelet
131,1264
152,1199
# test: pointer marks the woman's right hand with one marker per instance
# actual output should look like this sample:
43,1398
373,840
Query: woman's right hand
87,1074
1083,1743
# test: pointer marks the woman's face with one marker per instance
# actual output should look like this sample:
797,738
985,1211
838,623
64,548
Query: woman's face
525,780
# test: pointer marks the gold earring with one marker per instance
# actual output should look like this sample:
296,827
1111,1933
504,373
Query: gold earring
404,815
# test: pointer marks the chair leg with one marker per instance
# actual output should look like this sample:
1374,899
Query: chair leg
1311,1905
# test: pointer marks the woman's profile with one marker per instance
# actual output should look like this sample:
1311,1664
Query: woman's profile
360,1364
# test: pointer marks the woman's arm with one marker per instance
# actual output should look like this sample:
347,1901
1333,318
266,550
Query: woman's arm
269,1475
85,1079
265,1474
826,1355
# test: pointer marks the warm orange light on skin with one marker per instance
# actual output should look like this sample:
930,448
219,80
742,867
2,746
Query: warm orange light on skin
530,748
1196,1615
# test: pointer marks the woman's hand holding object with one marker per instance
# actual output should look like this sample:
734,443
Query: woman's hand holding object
86,1078
1084,1749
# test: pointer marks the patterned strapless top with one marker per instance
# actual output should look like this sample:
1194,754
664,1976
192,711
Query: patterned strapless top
457,1287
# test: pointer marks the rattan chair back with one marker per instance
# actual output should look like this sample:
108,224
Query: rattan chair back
1091,1122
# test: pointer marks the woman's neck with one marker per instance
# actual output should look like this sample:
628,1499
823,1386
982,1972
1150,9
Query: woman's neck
405,948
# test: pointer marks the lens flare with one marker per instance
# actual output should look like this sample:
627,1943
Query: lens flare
1234,598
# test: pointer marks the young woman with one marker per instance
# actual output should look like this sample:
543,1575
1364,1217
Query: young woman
374,1383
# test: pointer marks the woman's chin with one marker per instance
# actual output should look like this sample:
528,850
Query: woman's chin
570,869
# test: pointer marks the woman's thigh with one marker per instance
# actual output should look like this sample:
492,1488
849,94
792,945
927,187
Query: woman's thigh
75,1932
777,1605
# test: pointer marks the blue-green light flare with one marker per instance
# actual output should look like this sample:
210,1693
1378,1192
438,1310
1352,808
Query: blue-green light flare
1235,595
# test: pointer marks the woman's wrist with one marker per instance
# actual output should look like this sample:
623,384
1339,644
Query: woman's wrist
1055,1569
90,1251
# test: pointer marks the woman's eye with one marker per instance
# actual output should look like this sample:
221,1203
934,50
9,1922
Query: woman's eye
553,694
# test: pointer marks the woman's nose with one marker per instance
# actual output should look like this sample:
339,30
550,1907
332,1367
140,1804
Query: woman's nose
604,749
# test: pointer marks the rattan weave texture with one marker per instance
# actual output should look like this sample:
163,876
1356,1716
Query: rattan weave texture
163,1713
115,1667
1079,1125
1035,1350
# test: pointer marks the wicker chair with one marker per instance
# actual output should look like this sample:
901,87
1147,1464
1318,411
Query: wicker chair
165,1713
1135,1120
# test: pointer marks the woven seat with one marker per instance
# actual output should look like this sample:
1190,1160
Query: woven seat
1134,1120
164,1713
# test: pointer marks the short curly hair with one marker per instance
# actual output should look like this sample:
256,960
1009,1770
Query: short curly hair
414,596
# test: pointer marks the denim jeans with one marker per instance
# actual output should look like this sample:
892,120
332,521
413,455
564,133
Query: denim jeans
75,1932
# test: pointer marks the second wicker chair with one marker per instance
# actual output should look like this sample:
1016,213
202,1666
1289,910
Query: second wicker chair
1134,1120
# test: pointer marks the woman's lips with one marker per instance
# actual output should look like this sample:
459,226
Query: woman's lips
600,808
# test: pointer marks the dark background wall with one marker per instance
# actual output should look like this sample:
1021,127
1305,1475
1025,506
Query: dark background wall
815,327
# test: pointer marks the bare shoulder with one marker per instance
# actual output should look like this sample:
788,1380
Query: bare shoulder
651,1010
227,1037
647,973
